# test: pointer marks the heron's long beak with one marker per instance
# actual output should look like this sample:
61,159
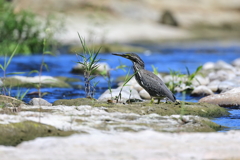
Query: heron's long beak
121,55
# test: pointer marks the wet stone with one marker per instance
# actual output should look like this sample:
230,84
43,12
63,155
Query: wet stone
227,99
39,102
15,133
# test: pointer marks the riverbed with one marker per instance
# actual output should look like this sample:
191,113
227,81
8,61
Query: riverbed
164,59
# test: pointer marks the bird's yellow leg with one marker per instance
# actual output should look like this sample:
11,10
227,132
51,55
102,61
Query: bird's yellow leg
152,100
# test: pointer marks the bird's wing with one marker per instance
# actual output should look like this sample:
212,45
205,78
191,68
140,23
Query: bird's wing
154,85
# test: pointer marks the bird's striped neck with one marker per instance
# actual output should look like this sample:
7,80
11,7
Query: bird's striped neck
137,66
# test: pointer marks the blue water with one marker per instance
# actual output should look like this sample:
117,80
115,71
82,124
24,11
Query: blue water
232,122
164,59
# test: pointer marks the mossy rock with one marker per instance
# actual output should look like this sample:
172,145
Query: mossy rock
108,48
7,101
15,133
13,82
189,108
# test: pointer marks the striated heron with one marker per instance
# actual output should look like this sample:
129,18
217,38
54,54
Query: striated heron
148,80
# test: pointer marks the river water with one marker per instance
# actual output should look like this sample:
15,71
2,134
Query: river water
162,58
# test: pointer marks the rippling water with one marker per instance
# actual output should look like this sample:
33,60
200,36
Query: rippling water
164,59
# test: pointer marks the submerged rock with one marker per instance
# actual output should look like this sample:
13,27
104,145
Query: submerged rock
102,69
33,82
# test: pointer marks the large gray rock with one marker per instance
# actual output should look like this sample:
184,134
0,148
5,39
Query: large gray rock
221,65
236,62
126,94
133,83
144,94
201,91
227,85
208,66
39,102
221,75
226,99
214,85
37,79
200,80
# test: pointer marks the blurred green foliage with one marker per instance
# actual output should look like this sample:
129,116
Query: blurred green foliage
23,29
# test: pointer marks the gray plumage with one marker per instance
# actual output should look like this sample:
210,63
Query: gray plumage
148,80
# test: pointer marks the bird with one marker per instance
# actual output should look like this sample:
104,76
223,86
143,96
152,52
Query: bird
148,80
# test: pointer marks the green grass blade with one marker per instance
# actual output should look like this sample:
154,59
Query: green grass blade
2,67
10,58
33,71
24,94
13,73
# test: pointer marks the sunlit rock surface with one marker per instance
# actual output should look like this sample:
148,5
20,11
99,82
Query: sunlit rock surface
227,99
145,145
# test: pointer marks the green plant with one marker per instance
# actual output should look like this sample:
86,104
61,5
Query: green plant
178,78
89,61
176,81
23,28
45,51
155,71
107,77
7,91
20,95
4,67
126,80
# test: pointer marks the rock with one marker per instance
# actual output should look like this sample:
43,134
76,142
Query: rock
126,93
102,69
182,87
201,91
144,94
143,108
236,62
168,19
221,65
36,79
13,134
133,83
8,101
208,66
221,75
200,80
175,79
226,85
145,145
227,99
39,102
30,82
214,85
